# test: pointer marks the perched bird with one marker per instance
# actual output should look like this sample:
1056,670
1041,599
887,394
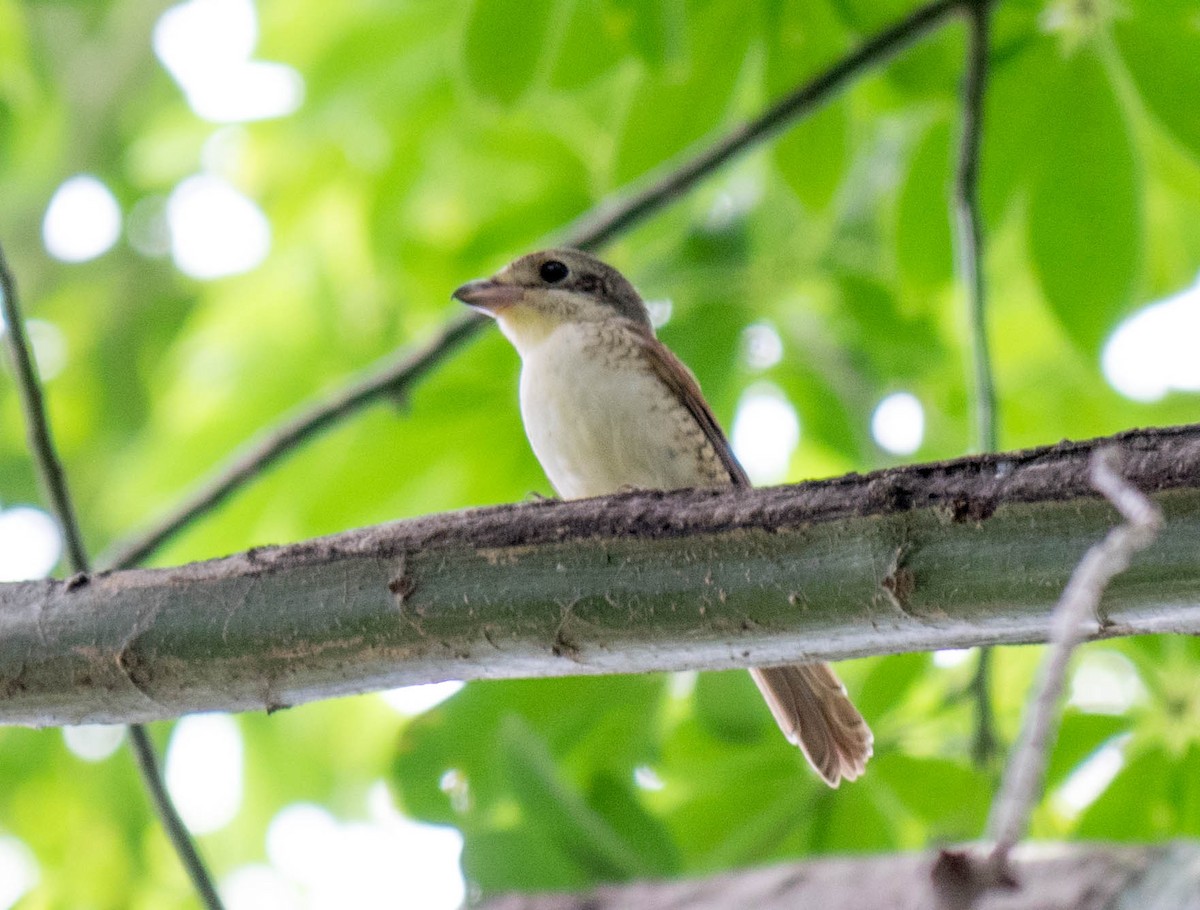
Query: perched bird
607,407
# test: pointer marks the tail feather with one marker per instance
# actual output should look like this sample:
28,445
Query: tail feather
812,709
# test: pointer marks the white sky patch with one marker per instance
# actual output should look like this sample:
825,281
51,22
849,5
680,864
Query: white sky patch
30,544
898,424
215,230
259,887
660,312
83,220
1155,351
951,657
762,347
204,771
1090,779
1105,682
766,432
206,46
94,742
366,864
413,700
19,870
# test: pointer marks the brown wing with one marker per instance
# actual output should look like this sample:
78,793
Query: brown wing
679,379
808,700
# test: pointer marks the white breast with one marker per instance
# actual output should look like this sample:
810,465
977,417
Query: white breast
600,421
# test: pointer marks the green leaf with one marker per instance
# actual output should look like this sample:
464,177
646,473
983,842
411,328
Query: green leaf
1079,736
672,109
1136,805
616,799
591,724
649,27
551,803
951,798
728,706
1160,45
813,156
1085,230
924,245
504,44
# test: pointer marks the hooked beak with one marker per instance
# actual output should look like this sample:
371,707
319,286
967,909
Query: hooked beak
488,295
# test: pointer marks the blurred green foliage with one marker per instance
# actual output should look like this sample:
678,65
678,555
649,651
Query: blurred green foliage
437,140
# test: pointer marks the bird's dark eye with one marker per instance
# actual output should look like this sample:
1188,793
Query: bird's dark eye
553,271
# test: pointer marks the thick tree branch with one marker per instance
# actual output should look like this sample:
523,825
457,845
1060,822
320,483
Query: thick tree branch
956,554
1067,877
54,480
394,376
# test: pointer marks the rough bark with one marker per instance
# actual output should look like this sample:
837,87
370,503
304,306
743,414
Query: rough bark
1058,877
967,552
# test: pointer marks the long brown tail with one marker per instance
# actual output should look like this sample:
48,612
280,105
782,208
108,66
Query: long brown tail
813,711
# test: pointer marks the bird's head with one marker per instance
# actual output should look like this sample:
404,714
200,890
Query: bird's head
533,295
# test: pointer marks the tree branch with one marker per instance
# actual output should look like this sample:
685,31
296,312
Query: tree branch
388,378
37,427
1077,614
1071,877
955,554
969,229
45,457
963,878
968,241
393,377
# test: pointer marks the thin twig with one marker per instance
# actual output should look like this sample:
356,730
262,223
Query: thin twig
37,428
1077,612
969,229
598,228
968,242
394,377
388,378
152,779
49,466
983,750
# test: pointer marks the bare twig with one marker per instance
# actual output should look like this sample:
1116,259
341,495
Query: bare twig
387,378
37,428
969,230
1076,611
608,221
968,237
961,878
600,227
45,456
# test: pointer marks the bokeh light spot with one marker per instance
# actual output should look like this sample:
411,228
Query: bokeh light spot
898,424
766,432
30,544
762,347
204,771
1154,351
18,871
83,220
413,700
94,742
206,46
215,230
366,864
